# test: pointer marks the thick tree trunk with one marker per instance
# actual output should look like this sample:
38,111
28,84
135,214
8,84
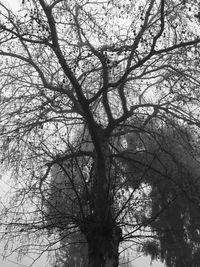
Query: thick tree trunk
102,234
103,244
100,229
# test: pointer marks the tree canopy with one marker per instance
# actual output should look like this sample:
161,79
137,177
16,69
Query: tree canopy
167,162
99,128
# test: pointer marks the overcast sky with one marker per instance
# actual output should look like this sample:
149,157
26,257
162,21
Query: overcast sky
14,4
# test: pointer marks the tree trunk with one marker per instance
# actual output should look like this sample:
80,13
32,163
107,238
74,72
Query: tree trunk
103,244
100,229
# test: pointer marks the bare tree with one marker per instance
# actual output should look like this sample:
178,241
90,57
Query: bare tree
79,81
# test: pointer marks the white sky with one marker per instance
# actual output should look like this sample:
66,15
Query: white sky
11,262
13,4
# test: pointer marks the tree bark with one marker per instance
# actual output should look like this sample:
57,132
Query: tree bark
100,229
103,244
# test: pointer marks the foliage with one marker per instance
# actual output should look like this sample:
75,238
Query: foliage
170,165
73,253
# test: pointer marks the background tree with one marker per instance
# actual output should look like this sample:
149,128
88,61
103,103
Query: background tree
78,79
167,162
